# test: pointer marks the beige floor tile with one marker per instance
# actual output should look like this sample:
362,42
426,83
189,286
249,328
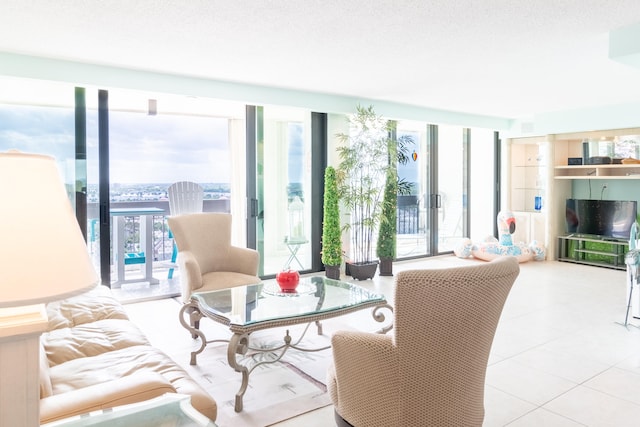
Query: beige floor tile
529,384
543,418
558,359
619,383
595,409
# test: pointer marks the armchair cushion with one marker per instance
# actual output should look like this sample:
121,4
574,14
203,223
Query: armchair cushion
355,354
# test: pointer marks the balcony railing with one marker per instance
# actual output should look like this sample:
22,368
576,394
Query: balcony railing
162,243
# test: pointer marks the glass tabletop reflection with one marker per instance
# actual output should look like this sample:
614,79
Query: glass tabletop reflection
251,304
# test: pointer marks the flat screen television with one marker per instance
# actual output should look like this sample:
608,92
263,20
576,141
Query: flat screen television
603,218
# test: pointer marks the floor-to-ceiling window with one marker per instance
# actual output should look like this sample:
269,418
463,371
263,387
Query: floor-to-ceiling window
412,221
443,162
283,188
154,141
449,194
483,188
38,117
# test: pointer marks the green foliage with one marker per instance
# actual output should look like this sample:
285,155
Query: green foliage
331,233
398,153
368,153
386,245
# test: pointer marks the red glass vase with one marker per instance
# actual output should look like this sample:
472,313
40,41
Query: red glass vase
288,280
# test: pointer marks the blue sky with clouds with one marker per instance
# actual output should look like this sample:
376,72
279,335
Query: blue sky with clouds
143,149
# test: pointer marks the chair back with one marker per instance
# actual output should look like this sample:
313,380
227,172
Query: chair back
185,197
445,322
206,235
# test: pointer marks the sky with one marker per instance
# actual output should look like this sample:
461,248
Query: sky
143,149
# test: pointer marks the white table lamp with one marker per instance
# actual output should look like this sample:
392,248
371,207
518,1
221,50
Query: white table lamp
43,257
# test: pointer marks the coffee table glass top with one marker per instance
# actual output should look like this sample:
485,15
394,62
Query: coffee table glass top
262,302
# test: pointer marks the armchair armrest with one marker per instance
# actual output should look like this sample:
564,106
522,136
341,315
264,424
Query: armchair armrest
130,389
243,260
190,273
364,362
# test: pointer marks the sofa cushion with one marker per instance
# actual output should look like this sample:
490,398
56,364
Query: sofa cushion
45,380
134,388
87,371
90,339
88,307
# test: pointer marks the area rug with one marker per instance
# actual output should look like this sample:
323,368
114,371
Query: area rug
276,392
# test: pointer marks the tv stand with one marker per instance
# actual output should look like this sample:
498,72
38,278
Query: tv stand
592,250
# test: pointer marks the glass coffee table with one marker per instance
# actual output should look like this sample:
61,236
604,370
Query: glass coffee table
246,309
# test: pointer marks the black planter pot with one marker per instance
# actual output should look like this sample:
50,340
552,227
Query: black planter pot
363,271
386,266
332,271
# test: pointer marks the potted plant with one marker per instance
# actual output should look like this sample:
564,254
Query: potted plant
331,232
386,243
364,164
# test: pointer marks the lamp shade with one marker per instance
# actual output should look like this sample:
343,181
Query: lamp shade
43,256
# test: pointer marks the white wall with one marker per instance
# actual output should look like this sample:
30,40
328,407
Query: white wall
105,77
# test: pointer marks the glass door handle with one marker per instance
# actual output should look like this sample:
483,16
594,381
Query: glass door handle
435,201
253,208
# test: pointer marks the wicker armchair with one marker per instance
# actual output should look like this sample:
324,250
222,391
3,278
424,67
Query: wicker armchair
206,257
431,372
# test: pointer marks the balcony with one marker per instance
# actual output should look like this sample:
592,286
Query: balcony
162,245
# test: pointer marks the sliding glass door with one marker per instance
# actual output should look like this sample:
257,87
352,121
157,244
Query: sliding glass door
449,192
413,223
433,217
283,188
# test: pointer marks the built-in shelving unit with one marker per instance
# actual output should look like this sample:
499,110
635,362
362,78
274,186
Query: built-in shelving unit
528,174
540,166
528,177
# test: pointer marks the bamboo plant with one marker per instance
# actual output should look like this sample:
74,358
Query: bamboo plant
364,165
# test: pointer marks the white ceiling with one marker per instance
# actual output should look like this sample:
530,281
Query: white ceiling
504,58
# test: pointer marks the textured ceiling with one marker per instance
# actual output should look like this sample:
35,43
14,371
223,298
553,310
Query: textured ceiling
505,58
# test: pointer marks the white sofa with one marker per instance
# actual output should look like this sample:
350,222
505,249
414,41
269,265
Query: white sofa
93,357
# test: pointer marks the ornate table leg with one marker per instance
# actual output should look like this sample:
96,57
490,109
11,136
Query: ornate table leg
190,309
380,317
239,344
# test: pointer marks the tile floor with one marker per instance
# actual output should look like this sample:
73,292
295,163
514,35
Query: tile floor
559,358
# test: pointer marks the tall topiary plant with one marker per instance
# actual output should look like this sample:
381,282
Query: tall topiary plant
386,243
331,232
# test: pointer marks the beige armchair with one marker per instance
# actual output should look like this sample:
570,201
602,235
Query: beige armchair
431,372
206,258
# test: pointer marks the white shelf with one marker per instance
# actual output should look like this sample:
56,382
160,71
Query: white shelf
610,171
